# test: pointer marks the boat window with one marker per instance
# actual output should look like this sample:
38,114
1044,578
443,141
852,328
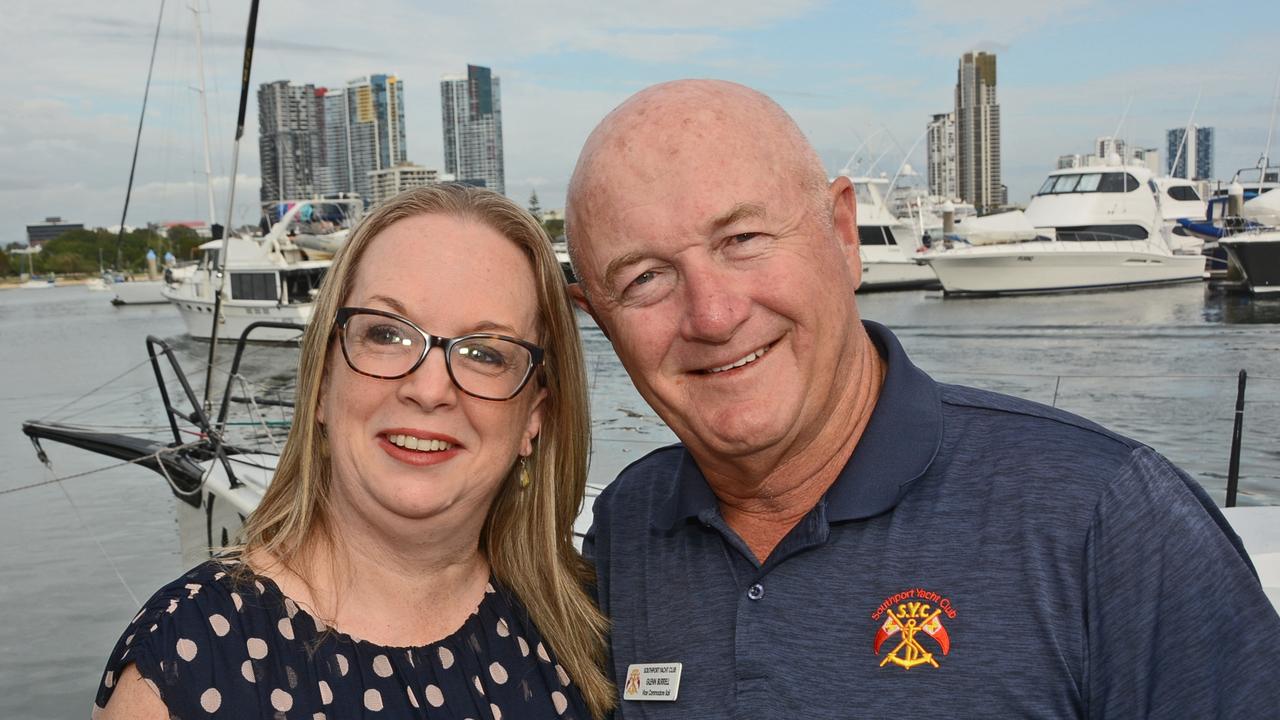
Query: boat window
871,235
1089,183
889,238
1183,192
1047,187
254,286
302,285
1085,233
1118,182
1066,183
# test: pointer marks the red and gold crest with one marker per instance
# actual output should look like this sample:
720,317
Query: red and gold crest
910,617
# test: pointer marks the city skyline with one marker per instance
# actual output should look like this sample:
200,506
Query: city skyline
844,73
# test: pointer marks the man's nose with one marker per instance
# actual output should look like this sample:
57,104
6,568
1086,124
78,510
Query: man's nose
715,304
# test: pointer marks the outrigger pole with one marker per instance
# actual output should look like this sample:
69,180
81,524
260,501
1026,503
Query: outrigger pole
231,198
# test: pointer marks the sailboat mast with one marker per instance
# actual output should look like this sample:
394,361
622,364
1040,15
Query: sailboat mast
137,141
231,196
204,114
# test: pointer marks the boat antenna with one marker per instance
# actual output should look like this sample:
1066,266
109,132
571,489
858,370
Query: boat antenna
1115,136
1185,132
905,158
1266,152
231,198
137,141
857,150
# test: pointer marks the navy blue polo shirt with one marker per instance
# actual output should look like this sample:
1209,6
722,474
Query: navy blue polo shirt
978,556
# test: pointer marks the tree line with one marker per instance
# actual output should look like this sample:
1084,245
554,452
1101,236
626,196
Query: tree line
85,251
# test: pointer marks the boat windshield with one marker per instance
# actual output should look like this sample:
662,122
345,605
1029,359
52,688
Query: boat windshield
864,194
1107,182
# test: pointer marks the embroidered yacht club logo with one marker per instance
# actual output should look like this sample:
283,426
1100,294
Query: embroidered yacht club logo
913,618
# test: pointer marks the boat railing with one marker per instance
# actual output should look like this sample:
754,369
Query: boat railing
211,430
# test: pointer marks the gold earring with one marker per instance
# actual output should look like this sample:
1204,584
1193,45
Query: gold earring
525,480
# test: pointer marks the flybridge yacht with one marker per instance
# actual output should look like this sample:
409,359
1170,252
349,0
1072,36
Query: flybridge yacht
268,278
1087,227
886,244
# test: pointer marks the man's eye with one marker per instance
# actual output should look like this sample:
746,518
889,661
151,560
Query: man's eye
743,237
643,277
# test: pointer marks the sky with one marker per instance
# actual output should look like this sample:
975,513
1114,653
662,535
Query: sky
861,79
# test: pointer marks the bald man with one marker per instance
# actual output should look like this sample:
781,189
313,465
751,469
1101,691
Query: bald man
836,534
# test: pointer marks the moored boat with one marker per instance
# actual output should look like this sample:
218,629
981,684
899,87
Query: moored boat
1095,227
267,278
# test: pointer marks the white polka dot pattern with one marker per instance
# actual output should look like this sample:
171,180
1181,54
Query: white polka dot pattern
219,624
211,700
276,665
186,649
281,700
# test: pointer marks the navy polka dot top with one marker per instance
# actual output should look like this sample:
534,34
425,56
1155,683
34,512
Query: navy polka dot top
215,647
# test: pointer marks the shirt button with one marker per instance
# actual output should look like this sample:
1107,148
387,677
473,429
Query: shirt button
755,592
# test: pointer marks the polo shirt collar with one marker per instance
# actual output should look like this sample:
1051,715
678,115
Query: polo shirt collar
898,445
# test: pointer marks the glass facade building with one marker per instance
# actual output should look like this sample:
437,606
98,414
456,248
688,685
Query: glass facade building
1194,159
471,118
978,132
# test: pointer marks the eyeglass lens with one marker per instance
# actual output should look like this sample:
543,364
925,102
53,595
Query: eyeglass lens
482,365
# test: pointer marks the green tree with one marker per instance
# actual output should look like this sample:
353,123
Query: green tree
182,242
554,228
6,267
535,208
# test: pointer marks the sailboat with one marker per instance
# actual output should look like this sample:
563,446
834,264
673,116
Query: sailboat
150,291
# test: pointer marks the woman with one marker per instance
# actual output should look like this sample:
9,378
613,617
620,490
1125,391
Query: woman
413,555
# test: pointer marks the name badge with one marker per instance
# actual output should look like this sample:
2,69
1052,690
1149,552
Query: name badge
652,681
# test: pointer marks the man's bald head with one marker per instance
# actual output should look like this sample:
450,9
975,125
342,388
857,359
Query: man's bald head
667,127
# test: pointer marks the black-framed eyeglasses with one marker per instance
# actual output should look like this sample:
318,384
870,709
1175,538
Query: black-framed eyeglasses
384,345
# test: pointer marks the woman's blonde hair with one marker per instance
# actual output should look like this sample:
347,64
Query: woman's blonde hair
528,534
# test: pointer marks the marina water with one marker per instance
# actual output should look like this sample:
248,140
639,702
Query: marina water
77,557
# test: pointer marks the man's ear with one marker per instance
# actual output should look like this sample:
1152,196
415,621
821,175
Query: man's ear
844,221
579,296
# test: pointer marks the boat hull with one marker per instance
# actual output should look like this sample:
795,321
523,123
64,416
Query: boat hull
887,267
1258,257
1050,267
235,316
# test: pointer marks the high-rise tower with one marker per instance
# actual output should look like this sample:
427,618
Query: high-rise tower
941,149
289,144
471,114
364,133
978,132
1195,161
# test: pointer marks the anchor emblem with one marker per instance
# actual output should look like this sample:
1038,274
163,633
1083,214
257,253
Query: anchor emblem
909,620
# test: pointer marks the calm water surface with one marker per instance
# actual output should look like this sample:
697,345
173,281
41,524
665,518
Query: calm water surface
1157,364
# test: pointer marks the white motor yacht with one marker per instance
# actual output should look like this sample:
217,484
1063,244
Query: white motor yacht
887,245
1095,227
268,278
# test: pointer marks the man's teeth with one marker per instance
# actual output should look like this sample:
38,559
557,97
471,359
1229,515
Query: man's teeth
743,361
421,444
